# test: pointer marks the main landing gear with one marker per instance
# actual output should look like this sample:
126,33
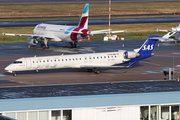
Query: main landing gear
44,46
97,71
73,44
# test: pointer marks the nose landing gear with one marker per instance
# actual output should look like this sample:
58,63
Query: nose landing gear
14,73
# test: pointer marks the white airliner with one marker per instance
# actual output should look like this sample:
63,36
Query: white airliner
44,33
166,37
92,61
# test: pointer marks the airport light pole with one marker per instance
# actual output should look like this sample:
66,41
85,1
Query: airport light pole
109,18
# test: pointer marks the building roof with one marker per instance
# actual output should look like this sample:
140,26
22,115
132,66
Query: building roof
89,95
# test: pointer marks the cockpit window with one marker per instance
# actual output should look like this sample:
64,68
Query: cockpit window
17,62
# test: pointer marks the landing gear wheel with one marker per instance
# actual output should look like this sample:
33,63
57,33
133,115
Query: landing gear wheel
89,70
97,71
44,47
14,74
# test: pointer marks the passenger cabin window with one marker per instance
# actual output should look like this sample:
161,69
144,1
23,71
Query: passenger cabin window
93,57
101,57
79,58
104,56
17,62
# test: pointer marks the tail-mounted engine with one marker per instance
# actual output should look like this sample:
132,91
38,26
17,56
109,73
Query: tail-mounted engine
130,54
31,41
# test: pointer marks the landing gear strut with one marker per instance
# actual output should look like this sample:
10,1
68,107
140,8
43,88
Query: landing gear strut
73,44
44,46
14,74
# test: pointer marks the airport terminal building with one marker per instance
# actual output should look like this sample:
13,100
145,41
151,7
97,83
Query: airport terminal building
94,102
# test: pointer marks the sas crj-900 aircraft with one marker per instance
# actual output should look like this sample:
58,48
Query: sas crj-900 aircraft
92,61
44,33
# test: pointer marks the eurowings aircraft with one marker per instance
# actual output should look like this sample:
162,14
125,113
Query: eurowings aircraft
44,33
166,37
92,61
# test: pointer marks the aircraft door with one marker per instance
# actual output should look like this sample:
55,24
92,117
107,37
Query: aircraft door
28,63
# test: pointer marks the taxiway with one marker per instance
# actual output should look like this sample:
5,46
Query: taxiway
167,55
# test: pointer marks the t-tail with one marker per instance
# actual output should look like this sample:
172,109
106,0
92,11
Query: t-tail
84,18
146,49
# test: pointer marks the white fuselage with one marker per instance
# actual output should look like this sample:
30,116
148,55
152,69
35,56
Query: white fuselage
67,61
57,32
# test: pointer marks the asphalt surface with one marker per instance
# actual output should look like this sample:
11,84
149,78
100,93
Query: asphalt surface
21,49
167,55
92,22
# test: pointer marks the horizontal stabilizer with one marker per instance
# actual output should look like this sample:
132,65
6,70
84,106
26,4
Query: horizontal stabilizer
168,30
106,31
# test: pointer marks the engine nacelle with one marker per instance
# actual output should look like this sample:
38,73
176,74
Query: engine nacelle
85,32
131,54
31,41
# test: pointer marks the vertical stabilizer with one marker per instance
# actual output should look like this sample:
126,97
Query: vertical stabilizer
148,45
146,49
84,18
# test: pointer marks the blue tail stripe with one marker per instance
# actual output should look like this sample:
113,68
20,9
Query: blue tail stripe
86,8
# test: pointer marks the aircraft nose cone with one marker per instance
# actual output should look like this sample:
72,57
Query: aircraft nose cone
10,68
7,68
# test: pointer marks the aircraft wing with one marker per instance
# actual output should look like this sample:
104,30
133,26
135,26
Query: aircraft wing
52,38
106,31
103,66
29,35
